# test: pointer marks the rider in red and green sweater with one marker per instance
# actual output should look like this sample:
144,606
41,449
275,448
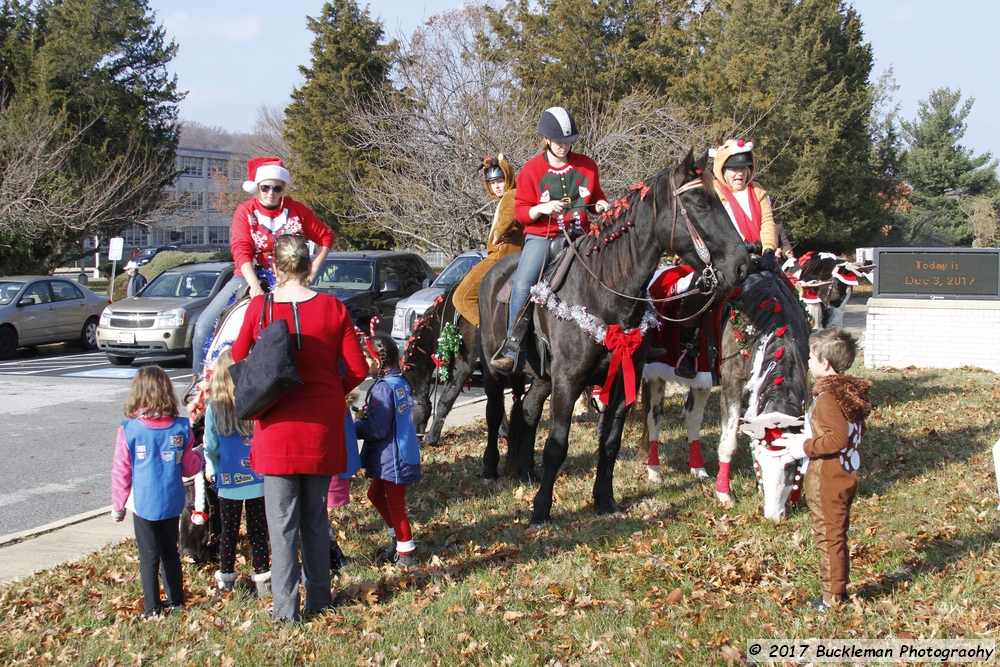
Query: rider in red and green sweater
554,190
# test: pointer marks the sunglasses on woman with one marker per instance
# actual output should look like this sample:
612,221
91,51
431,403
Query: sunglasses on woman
267,188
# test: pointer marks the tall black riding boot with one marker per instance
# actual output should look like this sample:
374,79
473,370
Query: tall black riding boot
689,352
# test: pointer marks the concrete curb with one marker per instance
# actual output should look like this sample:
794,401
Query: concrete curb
14,538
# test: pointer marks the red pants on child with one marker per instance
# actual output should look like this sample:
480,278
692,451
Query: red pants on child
390,501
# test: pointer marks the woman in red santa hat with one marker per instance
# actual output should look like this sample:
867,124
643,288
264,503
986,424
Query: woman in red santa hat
256,224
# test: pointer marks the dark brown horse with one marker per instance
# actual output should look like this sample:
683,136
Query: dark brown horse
419,367
604,291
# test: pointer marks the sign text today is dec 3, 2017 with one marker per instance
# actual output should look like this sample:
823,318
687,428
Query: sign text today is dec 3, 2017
942,273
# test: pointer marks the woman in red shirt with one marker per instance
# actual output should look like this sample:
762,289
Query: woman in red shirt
256,224
298,444
554,190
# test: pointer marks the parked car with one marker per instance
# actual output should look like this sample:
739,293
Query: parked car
35,310
371,283
411,309
147,255
161,320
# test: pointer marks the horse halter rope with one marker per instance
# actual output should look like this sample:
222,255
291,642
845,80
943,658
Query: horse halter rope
709,277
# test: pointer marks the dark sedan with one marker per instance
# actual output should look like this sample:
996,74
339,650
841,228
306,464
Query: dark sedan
371,282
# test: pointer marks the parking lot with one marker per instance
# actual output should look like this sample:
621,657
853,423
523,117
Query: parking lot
66,360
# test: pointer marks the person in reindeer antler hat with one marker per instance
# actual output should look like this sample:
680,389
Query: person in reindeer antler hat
505,237
555,189
750,210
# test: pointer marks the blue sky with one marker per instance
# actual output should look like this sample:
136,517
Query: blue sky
236,54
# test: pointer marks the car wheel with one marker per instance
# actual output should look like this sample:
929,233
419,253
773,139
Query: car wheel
120,361
88,337
8,342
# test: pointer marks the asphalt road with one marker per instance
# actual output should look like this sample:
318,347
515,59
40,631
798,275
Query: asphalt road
60,409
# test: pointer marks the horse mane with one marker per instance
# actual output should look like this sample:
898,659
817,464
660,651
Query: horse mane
422,342
770,305
818,268
611,250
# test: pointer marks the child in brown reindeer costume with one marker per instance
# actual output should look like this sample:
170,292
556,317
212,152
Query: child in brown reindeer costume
506,234
834,425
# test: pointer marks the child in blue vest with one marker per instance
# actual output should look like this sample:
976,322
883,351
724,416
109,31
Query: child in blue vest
153,453
227,454
391,453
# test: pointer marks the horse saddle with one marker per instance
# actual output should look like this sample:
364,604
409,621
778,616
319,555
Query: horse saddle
556,268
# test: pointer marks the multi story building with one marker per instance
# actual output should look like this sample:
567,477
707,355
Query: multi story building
204,175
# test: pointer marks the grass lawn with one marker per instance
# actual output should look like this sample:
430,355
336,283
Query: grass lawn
675,579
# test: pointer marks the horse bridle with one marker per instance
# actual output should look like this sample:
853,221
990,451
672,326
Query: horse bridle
709,280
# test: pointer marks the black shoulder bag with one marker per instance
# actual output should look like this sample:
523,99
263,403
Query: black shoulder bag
269,370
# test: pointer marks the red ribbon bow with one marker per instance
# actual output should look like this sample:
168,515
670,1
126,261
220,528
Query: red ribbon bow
622,346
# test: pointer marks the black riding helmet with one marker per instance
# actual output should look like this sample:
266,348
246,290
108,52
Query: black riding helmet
737,160
559,125
494,173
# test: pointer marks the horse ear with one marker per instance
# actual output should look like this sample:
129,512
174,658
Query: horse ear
702,163
689,166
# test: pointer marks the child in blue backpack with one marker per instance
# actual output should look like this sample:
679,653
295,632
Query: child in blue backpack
227,454
391,453
153,453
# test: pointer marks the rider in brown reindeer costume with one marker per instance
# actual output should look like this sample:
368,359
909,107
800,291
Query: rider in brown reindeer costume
506,234
750,210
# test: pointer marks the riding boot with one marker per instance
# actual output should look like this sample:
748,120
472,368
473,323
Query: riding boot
506,359
688,340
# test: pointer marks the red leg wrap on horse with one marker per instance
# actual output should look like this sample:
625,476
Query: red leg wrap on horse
694,459
654,453
722,481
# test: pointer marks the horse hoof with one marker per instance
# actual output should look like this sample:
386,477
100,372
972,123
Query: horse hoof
609,508
724,499
699,473
653,474
529,476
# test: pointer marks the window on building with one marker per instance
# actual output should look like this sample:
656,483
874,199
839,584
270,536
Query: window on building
190,235
190,166
134,236
218,235
217,168
193,201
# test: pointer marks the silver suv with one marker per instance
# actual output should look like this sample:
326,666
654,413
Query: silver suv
411,309
160,319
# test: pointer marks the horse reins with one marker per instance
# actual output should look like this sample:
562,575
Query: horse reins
708,274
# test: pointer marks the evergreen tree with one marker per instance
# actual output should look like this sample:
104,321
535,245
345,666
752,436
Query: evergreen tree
577,53
793,76
93,73
942,173
349,62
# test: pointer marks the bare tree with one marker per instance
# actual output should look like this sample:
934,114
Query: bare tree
266,138
450,107
40,196
268,134
983,221
213,137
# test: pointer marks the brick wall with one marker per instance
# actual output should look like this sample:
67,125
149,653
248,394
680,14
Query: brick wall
932,334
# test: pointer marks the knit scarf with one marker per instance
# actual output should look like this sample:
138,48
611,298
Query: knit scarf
749,227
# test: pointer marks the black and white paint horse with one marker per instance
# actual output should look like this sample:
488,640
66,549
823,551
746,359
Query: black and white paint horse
763,361
825,283
593,323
